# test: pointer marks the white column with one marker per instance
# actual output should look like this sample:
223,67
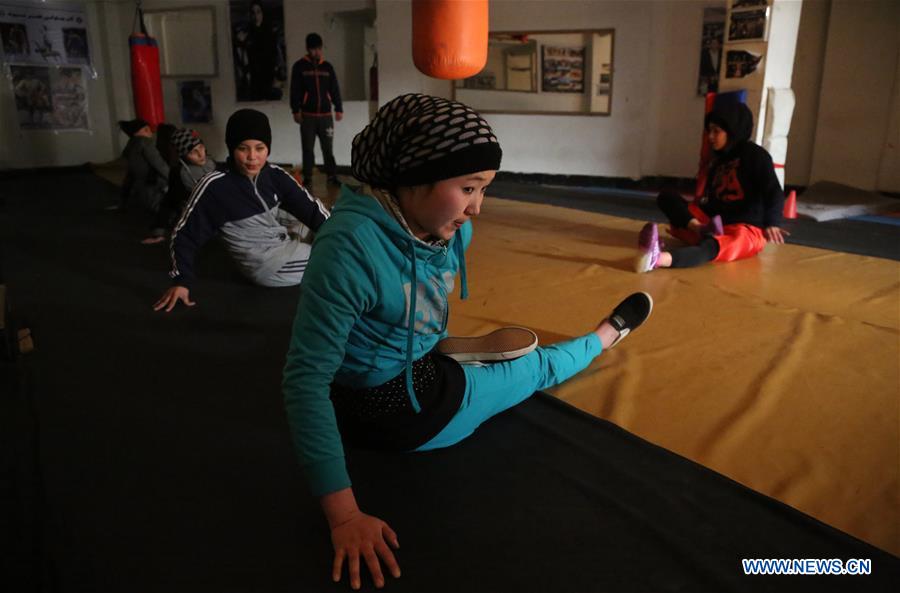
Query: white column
768,86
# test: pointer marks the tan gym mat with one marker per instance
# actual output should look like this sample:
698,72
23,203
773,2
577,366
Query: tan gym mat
780,372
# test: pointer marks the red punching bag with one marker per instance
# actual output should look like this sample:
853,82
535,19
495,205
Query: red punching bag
450,37
145,81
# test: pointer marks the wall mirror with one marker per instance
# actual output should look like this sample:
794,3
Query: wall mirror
546,72
187,40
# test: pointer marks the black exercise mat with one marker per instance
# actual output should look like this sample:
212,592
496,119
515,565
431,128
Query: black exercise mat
163,460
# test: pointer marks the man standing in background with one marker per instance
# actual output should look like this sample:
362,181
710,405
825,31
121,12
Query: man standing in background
314,91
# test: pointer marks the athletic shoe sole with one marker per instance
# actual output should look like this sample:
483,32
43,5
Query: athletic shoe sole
643,263
648,245
506,343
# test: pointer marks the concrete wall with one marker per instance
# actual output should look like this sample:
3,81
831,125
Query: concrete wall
889,171
654,127
857,97
839,132
807,81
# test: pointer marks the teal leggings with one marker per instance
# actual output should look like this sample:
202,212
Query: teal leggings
496,387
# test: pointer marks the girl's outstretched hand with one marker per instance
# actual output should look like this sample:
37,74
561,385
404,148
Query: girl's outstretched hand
367,537
776,235
171,297
355,534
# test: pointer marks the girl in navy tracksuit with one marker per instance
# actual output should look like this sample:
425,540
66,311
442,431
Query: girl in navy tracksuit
264,217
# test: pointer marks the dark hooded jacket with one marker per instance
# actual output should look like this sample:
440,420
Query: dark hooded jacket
148,173
314,88
742,186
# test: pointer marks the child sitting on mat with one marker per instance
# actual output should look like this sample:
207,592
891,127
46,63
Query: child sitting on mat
191,164
364,354
740,210
148,173
164,133
244,204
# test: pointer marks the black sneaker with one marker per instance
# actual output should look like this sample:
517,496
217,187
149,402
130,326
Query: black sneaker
505,343
630,314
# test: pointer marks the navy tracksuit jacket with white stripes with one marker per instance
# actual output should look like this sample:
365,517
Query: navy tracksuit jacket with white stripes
245,212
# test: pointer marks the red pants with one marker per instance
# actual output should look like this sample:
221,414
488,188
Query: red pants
738,241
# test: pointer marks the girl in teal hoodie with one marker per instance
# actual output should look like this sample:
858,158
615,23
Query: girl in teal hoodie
363,361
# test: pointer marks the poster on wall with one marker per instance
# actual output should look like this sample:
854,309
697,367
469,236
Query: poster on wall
258,49
69,98
50,98
41,35
741,63
483,81
711,50
196,101
562,69
748,25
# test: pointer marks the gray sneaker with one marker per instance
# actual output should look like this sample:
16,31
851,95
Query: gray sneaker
506,343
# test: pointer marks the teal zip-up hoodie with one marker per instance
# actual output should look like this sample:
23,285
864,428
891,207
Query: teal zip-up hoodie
353,321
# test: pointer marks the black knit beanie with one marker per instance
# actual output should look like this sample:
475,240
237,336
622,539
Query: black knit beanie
418,139
132,126
247,124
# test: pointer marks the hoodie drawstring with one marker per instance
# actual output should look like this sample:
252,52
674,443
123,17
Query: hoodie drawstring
461,255
411,328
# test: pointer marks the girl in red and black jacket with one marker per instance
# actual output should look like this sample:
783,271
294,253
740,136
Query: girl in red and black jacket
738,214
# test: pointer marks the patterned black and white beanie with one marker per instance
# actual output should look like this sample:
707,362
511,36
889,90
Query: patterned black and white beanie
184,141
417,139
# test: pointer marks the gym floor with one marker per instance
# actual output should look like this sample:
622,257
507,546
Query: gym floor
142,431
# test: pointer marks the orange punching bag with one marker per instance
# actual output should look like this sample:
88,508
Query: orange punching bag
145,80
450,37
